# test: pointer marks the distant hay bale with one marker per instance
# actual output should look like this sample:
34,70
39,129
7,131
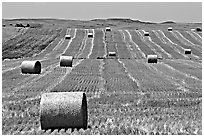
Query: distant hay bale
66,61
198,29
31,67
187,51
112,53
90,35
152,58
108,29
63,110
67,36
146,33
170,29
159,57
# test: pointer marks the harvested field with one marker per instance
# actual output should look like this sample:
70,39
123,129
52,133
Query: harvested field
125,94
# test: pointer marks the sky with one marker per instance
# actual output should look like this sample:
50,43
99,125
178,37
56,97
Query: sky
144,11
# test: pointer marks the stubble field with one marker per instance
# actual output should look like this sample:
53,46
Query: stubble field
125,94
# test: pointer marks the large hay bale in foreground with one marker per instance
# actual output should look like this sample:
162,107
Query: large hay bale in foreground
112,53
90,35
187,51
152,58
31,67
170,29
67,36
146,33
63,110
108,29
66,61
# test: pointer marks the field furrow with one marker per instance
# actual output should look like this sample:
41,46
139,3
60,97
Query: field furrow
82,78
122,46
139,41
133,47
76,43
170,43
157,48
198,36
149,79
83,47
191,37
177,41
86,48
99,46
186,39
195,36
156,38
110,43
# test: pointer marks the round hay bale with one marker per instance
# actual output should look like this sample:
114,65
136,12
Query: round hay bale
198,29
187,51
108,29
63,110
90,35
146,33
67,36
170,29
112,53
152,58
31,67
66,61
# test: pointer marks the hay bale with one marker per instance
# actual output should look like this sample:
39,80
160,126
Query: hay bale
112,53
108,29
66,61
90,35
170,29
187,51
63,110
159,57
146,33
152,58
31,67
198,29
67,36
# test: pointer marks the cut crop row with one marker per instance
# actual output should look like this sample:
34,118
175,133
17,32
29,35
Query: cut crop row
99,46
154,46
133,47
144,48
76,43
121,46
186,41
179,43
156,39
190,38
84,77
149,79
110,43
